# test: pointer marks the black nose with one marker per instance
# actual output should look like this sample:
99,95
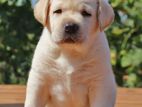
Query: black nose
71,28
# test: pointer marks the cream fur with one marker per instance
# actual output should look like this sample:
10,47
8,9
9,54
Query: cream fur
71,75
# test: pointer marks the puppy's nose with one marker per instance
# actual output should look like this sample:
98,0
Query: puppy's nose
71,28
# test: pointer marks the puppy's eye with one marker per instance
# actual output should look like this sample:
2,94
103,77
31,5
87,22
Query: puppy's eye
85,14
59,11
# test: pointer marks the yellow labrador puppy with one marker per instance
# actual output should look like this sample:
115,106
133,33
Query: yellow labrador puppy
71,65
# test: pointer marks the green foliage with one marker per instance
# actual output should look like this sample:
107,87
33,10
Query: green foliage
18,36
19,33
125,38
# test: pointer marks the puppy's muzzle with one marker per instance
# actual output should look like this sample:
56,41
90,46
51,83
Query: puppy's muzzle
71,33
71,28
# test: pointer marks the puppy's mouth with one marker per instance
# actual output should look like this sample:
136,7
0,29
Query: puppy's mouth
71,39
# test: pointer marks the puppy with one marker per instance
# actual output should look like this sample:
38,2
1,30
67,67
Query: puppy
71,65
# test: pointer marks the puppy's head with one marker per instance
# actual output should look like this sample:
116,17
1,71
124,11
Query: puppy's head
73,21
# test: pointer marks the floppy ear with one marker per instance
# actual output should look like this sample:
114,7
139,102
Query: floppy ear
41,11
105,14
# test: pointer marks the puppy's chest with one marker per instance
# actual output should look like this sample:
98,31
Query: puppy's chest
64,94
63,71
70,84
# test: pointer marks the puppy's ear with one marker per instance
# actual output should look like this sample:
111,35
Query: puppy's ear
105,14
41,11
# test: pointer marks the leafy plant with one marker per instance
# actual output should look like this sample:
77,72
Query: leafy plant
19,33
125,38
18,36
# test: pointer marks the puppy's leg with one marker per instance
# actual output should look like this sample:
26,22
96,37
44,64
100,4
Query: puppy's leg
103,94
36,95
